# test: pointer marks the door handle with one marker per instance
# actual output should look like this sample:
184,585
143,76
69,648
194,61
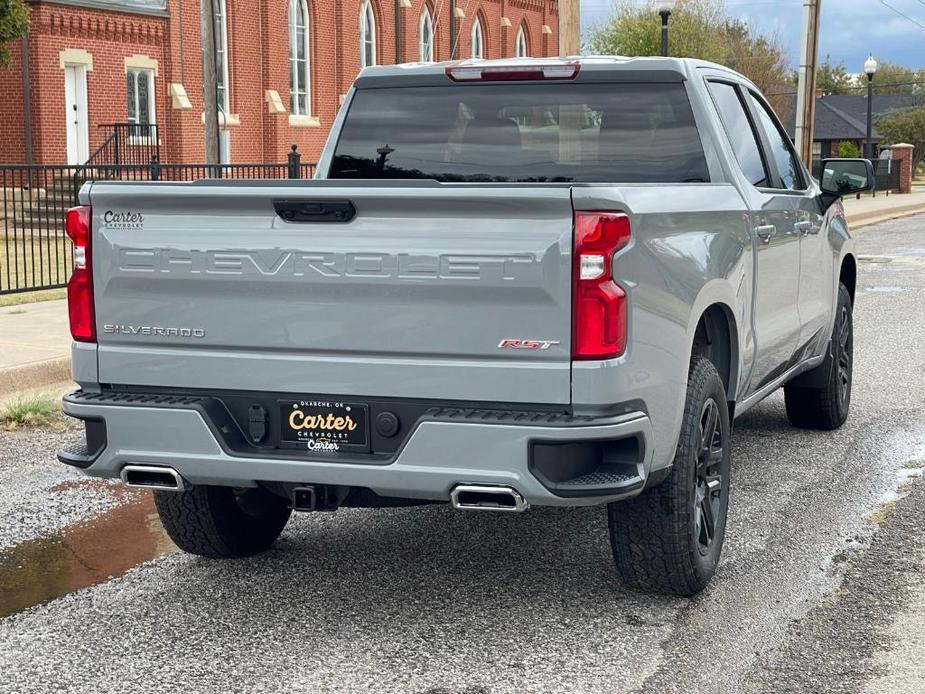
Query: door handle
766,232
803,228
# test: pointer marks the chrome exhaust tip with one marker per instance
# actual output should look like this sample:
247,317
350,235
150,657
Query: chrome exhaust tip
152,477
484,497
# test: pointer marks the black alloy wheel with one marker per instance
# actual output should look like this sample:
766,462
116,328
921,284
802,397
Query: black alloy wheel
843,354
709,476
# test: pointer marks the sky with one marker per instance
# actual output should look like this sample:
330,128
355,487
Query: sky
851,29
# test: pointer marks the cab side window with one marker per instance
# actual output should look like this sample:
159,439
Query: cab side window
781,151
739,131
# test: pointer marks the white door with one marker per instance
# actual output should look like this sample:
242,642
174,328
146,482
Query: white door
75,99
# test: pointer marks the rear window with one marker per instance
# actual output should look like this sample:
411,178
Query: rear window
530,133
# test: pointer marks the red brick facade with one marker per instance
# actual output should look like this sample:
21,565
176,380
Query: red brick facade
109,41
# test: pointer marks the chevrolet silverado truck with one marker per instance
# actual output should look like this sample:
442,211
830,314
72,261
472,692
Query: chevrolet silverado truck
512,284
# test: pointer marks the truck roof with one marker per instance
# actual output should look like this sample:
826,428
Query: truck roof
590,68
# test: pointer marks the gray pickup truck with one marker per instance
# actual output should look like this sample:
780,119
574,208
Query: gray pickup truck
513,283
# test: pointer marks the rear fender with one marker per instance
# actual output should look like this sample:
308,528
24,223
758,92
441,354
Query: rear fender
721,293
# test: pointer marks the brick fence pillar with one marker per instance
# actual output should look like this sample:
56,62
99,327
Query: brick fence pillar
902,153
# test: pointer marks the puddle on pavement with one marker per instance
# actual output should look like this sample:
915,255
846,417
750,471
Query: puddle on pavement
901,258
910,252
886,290
875,259
81,555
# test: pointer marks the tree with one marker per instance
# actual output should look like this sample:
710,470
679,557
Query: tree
760,58
897,79
635,30
834,78
905,126
14,22
699,29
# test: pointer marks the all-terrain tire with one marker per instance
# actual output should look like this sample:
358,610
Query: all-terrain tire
658,537
821,398
222,522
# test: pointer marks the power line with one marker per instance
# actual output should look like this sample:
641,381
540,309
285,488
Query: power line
903,14
876,86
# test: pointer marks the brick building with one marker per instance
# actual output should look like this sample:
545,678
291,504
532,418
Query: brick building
283,66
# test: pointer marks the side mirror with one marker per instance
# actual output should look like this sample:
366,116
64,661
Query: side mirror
842,177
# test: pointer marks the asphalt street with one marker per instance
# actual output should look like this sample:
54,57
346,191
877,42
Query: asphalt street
821,571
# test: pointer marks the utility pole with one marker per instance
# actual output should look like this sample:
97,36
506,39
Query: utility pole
453,31
569,114
209,96
806,89
399,53
569,28
27,99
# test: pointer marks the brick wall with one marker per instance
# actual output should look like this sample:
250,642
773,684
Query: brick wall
258,50
12,133
109,37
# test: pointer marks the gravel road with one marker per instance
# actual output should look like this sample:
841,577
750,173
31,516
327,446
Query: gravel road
816,573
38,496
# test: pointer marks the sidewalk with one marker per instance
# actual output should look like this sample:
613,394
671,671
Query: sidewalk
868,210
35,345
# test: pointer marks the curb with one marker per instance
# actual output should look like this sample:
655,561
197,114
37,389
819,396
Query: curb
34,375
863,220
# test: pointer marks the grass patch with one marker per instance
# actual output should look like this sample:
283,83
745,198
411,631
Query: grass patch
30,411
33,259
904,488
32,297
914,464
883,515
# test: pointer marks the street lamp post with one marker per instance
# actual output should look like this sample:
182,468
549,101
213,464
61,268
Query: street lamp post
870,67
664,10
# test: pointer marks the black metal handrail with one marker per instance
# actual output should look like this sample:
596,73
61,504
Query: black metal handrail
126,143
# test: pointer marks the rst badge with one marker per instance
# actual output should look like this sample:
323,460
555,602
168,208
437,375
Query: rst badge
509,343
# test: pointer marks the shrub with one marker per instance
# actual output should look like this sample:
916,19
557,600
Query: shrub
848,150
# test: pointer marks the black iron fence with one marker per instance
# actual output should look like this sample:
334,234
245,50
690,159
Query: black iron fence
887,174
34,250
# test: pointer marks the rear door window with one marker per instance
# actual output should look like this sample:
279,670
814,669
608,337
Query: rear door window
781,151
530,133
739,131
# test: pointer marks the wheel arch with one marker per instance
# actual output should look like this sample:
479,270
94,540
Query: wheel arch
716,338
848,274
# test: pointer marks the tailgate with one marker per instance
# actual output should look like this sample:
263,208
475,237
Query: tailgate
207,286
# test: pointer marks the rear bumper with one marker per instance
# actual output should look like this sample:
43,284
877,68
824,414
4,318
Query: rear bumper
440,452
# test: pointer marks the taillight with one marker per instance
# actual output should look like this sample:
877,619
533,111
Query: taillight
80,286
599,311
